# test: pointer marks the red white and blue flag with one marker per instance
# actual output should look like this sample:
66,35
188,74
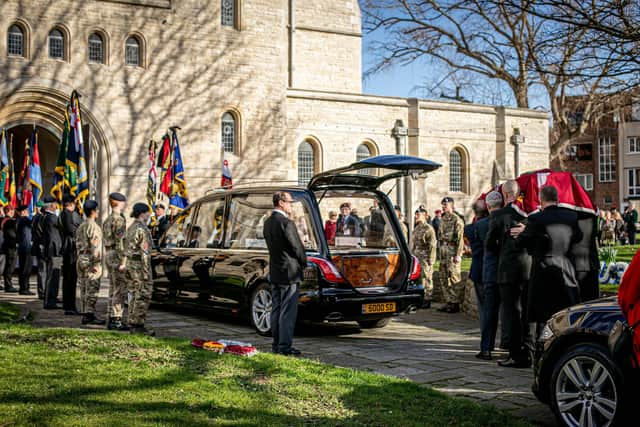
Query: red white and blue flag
226,181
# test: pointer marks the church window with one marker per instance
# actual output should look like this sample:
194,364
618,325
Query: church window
306,162
455,171
229,133
363,152
96,48
15,41
132,52
56,44
228,10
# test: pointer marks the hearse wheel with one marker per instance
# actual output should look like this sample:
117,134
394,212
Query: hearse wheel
260,309
586,387
374,324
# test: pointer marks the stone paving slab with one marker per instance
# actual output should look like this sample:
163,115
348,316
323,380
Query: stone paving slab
430,348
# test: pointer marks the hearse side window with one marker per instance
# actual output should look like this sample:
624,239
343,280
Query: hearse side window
208,227
247,215
176,235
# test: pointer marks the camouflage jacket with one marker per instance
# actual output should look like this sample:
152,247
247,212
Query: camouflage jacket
451,236
137,247
89,242
424,242
114,229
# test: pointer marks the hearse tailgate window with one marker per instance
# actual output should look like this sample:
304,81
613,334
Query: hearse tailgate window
247,215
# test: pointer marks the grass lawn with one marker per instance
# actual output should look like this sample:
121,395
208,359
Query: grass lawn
63,377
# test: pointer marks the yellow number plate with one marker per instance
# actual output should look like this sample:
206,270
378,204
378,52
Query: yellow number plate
385,307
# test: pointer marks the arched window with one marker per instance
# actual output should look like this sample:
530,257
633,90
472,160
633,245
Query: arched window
306,162
132,52
455,171
15,41
228,12
96,48
229,133
56,44
363,152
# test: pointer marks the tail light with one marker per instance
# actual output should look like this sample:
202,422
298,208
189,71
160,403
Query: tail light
329,271
415,269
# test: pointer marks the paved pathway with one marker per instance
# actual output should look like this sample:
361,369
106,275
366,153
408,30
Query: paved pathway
430,348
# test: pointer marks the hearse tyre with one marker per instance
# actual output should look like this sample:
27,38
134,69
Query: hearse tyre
260,309
586,387
374,324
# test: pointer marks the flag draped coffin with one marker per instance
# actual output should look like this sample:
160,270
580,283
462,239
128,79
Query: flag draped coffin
179,197
570,193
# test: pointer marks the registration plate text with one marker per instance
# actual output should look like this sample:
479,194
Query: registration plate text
384,307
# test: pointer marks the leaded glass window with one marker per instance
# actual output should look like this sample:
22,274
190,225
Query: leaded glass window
96,48
229,133
228,13
15,41
455,171
132,52
56,44
306,162
362,153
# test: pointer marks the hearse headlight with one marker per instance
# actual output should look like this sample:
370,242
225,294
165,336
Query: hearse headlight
547,333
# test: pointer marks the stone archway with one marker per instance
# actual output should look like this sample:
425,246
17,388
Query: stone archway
26,106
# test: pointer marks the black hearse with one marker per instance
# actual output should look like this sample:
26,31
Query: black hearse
214,254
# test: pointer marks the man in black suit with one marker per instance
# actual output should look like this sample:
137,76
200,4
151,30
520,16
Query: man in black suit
52,252
514,265
9,247
37,244
585,256
287,260
548,237
70,220
25,260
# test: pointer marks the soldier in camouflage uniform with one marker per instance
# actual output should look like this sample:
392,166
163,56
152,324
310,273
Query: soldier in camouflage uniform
88,239
137,265
114,229
451,237
423,245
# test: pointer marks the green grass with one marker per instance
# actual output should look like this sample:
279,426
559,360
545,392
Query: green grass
65,377
626,253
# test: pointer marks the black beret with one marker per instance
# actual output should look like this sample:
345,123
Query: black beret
90,205
67,198
139,209
160,206
421,210
118,197
447,200
22,208
49,199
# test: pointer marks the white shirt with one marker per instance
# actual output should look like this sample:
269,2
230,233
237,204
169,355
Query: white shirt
281,212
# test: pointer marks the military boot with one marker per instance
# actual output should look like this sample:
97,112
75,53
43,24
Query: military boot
116,324
91,319
140,329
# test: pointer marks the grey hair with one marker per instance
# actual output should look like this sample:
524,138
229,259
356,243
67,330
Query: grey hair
511,187
494,199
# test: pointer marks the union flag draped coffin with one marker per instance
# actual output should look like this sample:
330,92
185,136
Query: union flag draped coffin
570,193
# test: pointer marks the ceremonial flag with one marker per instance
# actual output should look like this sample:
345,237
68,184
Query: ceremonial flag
60,174
4,170
35,177
152,182
179,197
24,186
76,161
12,197
164,163
226,181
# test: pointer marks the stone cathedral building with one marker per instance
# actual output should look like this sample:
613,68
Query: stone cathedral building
277,84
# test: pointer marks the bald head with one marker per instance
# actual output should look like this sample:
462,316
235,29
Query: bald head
510,190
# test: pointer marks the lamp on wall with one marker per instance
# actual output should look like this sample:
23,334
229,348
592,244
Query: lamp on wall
517,140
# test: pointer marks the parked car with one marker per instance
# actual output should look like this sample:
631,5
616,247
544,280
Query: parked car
214,254
573,369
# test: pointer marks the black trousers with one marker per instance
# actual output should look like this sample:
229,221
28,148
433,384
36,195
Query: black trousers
9,267
25,264
632,236
513,297
69,282
41,276
52,284
284,312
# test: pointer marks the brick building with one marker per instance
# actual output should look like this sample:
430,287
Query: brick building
275,83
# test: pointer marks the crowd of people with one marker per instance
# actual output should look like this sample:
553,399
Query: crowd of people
62,243
616,228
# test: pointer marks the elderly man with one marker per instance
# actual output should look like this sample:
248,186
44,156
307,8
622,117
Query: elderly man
514,265
548,237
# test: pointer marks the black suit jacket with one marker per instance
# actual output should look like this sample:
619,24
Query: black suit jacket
287,257
52,236
514,264
549,237
69,222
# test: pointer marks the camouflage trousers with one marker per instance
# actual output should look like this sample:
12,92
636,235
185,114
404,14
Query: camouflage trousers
452,289
117,285
141,289
426,277
89,274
